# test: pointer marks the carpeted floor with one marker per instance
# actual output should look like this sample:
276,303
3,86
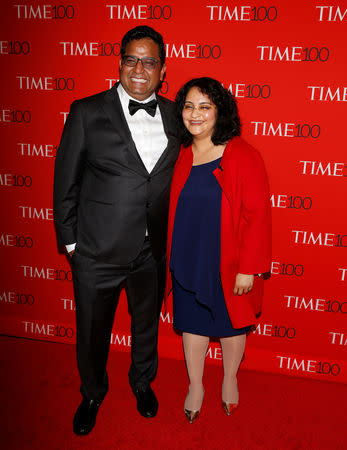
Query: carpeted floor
40,394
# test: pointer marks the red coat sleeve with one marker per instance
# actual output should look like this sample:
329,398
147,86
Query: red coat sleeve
255,220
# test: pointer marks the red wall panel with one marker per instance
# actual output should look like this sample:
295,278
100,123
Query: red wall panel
284,62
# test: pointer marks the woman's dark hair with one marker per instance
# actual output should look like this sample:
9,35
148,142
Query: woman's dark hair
228,120
142,32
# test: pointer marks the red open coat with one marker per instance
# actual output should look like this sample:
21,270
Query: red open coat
245,224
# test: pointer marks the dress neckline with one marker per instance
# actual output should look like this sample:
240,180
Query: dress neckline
204,164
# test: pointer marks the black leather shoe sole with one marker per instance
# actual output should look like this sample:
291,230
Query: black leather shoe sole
85,417
147,403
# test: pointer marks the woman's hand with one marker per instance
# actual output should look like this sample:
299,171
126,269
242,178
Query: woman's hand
243,283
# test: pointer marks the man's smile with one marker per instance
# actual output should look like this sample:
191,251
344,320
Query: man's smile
138,80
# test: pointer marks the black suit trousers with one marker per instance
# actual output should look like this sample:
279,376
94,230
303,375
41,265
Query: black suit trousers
97,287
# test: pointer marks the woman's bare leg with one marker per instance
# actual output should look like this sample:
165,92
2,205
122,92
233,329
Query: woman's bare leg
195,348
233,349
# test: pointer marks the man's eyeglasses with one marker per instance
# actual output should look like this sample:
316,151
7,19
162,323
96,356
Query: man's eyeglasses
147,62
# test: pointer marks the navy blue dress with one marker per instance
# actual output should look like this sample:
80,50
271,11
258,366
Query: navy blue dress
198,300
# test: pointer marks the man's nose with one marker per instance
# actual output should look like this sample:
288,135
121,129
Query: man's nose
139,67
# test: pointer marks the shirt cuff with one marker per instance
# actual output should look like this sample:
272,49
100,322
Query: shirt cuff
70,247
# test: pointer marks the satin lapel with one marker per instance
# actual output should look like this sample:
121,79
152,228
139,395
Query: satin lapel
172,148
113,108
167,119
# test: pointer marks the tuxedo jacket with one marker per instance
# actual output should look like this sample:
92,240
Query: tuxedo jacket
104,197
245,224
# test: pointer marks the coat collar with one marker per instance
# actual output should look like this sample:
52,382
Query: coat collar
112,106
219,172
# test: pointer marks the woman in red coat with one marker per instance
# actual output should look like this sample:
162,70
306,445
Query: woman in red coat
219,236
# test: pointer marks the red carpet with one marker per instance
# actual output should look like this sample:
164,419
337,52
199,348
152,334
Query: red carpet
40,394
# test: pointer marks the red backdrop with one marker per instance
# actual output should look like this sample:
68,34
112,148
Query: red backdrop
285,63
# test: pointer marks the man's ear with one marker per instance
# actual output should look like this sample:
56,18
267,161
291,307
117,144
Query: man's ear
162,72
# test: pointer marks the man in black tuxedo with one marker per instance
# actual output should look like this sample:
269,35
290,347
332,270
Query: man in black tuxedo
111,193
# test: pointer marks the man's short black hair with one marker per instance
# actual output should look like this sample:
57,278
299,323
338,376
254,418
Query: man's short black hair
142,32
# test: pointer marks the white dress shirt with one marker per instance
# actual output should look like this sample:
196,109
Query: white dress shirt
147,132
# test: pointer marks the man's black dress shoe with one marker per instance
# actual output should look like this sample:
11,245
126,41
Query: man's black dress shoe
85,417
147,403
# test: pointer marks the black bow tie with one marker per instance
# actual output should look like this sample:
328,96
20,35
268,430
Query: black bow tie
150,107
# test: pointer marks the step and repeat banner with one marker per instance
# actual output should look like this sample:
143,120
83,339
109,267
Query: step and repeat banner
285,62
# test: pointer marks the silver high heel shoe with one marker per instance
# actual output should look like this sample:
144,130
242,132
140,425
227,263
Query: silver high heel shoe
229,408
193,414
